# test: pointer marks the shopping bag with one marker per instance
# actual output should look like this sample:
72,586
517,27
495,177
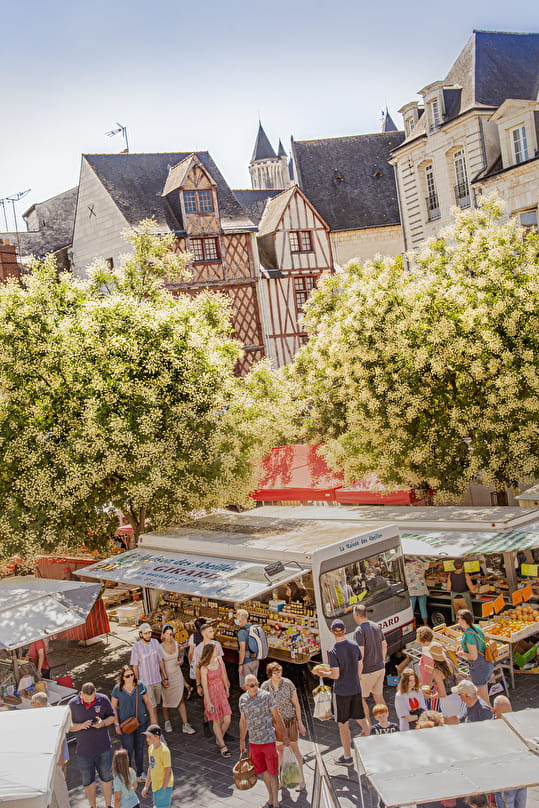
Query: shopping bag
289,775
323,703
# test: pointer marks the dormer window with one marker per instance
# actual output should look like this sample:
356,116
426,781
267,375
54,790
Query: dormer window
409,124
198,201
520,144
435,116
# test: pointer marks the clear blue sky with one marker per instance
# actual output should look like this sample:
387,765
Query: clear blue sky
188,76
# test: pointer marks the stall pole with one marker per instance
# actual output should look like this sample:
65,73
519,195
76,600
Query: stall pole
509,564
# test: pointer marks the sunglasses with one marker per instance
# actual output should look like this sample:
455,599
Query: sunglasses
251,686
128,675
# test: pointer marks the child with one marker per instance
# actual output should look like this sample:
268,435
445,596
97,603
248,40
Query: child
409,701
383,726
160,774
124,782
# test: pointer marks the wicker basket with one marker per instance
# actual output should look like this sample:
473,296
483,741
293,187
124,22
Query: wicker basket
244,773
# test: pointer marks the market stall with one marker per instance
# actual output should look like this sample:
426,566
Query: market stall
293,576
451,761
33,609
33,740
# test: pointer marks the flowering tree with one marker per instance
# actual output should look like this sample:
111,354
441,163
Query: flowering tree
115,394
431,374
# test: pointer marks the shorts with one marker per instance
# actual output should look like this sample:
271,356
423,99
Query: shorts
347,707
250,666
154,693
372,682
264,757
291,725
480,670
89,765
162,797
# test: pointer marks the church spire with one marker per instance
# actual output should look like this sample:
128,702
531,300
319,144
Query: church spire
281,152
263,149
388,124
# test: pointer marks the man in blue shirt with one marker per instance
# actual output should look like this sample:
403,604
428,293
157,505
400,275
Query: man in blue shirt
476,708
92,714
346,665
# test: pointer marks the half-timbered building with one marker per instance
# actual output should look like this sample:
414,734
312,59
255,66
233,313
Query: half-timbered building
294,250
186,194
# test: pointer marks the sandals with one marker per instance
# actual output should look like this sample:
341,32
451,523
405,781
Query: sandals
301,787
224,751
190,690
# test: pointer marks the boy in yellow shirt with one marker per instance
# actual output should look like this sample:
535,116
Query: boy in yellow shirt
160,769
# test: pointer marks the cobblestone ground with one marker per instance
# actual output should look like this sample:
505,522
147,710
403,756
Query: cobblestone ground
202,778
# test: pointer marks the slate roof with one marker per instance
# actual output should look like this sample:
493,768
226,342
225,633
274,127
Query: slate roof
281,152
263,149
349,180
492,67
275,208
135,183
51,225
254,201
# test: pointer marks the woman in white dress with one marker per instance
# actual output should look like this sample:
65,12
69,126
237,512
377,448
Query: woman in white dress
173,694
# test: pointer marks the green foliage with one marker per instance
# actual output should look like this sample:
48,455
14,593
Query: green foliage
402,364
121,400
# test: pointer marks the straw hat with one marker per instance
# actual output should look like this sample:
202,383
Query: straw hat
437,652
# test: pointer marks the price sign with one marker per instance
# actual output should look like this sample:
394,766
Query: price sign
487,609
449,566
527,592
498,604
529,569
472,566
516,597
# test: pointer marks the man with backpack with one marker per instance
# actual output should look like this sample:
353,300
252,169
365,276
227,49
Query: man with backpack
252,645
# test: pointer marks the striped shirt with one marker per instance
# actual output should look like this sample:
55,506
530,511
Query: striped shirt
146,656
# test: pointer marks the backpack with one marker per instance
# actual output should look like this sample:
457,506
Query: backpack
258,642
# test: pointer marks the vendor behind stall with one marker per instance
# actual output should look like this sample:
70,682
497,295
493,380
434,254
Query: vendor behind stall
460,585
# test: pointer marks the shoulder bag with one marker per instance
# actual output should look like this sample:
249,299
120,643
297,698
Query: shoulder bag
132,723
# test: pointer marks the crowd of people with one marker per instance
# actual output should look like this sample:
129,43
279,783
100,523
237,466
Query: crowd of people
434,694
153,678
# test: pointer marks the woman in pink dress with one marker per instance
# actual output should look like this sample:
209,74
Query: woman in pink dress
216,689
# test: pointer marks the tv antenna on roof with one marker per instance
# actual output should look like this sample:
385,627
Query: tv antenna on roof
14,198
121,130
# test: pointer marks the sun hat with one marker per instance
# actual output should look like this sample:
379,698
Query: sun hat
437,651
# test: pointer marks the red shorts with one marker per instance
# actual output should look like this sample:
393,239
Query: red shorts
264,757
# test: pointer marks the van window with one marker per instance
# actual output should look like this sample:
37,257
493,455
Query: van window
366,581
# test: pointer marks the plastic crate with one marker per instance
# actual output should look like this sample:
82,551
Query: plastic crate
392,681
528,656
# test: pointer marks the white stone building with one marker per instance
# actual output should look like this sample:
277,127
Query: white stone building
475,131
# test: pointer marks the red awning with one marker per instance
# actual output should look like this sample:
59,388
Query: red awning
370,491
298,473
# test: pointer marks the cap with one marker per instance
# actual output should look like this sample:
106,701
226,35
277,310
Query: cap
153,729
436,650
338,625
144,627
465,688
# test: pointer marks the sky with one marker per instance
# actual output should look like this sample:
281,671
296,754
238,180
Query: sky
199,75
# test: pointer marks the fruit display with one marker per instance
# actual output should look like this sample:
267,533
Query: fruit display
514,621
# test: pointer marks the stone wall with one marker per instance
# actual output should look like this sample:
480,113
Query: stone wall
98,224
363,245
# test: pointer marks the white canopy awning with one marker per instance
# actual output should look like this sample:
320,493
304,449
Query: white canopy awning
34,608
451,761
231,579
32,743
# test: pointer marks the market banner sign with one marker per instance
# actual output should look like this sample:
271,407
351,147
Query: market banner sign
204,576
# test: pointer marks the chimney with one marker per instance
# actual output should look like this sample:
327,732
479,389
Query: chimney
9,267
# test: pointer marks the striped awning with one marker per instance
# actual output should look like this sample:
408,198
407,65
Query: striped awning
463,542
